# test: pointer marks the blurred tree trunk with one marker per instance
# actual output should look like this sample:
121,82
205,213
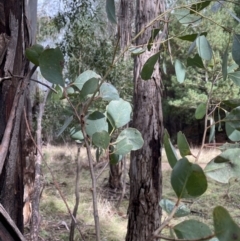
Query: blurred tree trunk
16,34
125,17
145,165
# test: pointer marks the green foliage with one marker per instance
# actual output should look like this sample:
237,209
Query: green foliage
110,9
224,226
168,206
148,67
51,64
170,150
192,229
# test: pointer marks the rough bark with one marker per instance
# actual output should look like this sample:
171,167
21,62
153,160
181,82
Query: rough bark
125,20
145,166
15,37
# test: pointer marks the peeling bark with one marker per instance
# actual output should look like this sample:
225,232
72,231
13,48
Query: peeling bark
15,37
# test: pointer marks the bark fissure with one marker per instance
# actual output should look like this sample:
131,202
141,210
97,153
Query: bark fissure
145,167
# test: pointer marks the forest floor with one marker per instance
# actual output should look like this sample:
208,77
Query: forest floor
55,220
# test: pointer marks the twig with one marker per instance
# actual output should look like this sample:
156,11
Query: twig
77,196
52,175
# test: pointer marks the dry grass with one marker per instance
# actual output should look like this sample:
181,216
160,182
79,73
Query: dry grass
55,219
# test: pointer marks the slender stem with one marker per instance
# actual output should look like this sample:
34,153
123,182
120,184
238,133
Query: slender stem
52,175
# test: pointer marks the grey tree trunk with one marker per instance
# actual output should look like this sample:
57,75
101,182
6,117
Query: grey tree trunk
15,37
145,166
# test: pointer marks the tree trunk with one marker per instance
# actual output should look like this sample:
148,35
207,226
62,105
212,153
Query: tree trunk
145,166
15,148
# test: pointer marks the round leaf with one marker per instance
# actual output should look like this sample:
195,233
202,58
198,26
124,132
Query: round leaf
51,65
114,158
89,87
188,180
224,226
180,71
84,77
204,48
33,53
108,92
118,112
168,205
235,77
233,118
232,133
192,229
101,139
128,140
96,122
225,166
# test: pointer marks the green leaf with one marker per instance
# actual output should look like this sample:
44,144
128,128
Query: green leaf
187,179
53,96
89,87
232,133
225,166
114,158
101,139
128,140
170,150
184,17
196,61
110,9
148,67
227,146
76,134
233,118
67,122
192,37
51,63
108,92
168,205
235,77
183,145
84,77
70,90
154,33
224,64
180,71
96,122
236,48
119,112
224,226
197,182
232,68
137,50
199,6
33,53
192,229
204,48
232,103
200,111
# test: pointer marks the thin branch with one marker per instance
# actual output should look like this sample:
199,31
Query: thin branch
52,175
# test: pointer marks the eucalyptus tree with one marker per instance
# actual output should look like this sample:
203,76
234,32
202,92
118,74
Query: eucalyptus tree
145,165
17,32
